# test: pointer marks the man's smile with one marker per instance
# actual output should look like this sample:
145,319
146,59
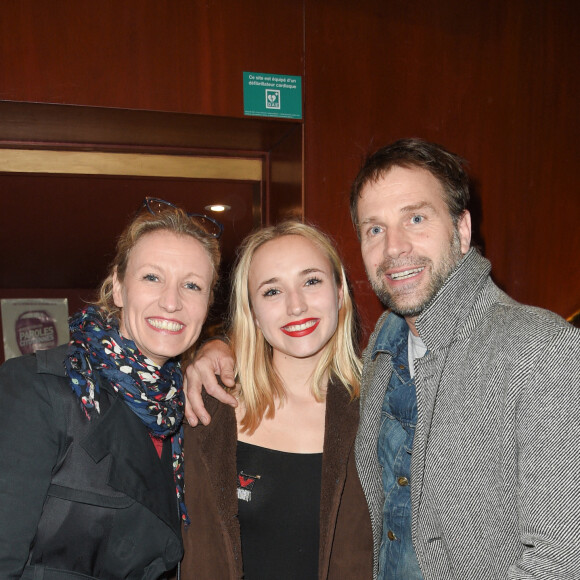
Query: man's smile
404,274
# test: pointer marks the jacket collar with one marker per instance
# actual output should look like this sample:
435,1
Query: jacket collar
391,335
444,318
217,443
51,362
448,318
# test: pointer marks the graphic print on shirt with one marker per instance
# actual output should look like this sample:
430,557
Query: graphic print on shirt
245,485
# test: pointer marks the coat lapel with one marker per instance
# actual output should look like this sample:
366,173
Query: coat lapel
135,469
376,377
218,450
444,323
341,421
427,380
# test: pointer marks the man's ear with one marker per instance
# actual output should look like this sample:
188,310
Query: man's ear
464,229
117,290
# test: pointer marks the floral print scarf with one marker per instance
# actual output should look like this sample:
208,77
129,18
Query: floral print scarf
153,393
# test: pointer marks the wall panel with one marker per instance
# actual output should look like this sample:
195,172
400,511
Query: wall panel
167,55
493,81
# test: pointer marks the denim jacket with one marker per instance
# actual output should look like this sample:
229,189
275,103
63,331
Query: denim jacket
397,559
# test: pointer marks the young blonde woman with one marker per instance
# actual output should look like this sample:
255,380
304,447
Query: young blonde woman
272,489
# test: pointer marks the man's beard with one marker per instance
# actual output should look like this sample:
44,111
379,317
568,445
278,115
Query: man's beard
397,303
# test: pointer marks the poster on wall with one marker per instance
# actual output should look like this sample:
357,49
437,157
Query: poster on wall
31,324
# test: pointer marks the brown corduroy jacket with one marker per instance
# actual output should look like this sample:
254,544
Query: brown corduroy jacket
212,540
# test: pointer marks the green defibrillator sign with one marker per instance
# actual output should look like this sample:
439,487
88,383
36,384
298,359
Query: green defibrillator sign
272,95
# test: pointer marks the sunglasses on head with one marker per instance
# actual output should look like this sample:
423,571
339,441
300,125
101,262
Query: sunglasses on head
210,226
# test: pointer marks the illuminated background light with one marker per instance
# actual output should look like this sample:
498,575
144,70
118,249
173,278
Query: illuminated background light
217,207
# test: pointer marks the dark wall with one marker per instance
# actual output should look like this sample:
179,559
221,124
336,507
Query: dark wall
494,81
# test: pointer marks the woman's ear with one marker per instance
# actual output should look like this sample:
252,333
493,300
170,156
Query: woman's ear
340,293
117,290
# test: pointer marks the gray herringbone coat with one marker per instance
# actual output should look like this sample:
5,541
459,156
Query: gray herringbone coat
495,470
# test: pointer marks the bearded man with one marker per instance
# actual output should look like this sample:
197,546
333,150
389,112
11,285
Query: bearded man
467,447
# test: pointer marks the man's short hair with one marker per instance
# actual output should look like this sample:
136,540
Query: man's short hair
445,166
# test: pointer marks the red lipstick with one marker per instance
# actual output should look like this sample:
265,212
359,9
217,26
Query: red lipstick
301,327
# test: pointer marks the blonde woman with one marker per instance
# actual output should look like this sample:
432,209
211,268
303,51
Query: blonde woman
272,486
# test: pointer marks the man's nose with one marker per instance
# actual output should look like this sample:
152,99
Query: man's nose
396,243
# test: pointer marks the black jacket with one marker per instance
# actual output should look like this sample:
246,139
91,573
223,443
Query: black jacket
88,497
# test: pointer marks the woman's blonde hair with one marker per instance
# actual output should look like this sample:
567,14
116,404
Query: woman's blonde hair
172,219
261,386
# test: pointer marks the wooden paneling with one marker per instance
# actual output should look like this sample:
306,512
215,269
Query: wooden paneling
123,129
129,164
165,55
494,81
284,199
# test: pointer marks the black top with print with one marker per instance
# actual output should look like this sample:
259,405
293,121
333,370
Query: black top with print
279,512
